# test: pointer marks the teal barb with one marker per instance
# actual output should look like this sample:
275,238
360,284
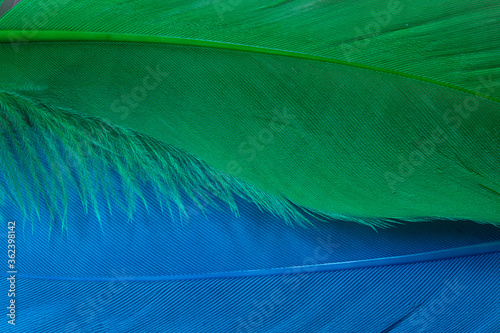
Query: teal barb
365,114
27,124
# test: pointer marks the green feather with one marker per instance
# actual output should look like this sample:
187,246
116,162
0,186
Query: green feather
262,101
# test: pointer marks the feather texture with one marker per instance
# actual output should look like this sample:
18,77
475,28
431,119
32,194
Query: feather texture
329,131
58,134
235,116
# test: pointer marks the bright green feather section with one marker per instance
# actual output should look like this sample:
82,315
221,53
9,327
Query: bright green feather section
453,42
329,137
409,130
